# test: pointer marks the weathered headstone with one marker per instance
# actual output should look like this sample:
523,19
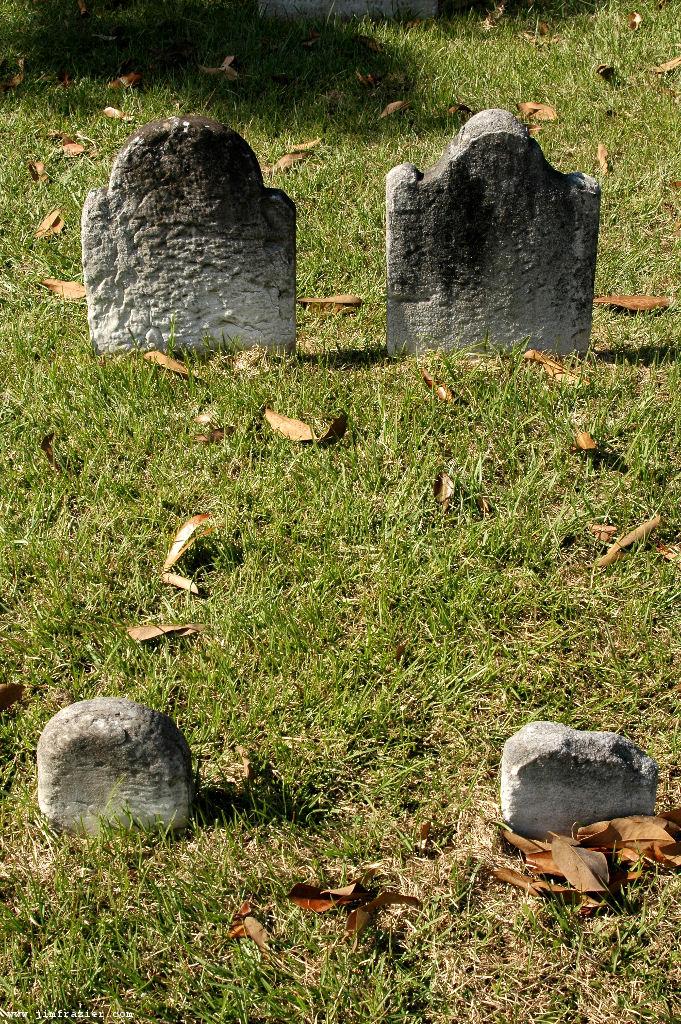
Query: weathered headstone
553,777
187,243
113,760
349,8
490,244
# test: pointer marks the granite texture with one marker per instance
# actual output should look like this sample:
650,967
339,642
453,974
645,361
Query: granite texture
111,759
492,245
349,8
186,241
554,777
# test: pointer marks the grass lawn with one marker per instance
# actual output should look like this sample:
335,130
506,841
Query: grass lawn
325,560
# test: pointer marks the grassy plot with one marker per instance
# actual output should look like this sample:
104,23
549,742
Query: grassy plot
364,651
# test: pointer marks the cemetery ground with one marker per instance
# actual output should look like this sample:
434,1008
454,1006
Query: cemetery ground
365,653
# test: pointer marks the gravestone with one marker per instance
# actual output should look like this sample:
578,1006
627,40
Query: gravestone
349,8
113,760
187,243
554,777
491,243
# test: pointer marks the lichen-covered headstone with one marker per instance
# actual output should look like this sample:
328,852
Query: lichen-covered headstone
349,8
492,244
186,244
554,777
113,760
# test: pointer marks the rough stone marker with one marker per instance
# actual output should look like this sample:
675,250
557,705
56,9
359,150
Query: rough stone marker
554,777
492,243
113,760
187,242
349,8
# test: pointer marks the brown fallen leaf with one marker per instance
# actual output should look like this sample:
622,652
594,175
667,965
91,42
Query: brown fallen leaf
603,532
14,80
633,303
584,442
128,81
675,184
633,828
541,862
586,870
668,854
286,162
215,435
47,447
332,303
672,817
311,897
305,147
538,111
64,78
312,38
634,20
245,926
606,71
245,763
553,367
359,918
369,81
116,115
370,43
602,155
441,390
523,843
145,633
72,149
181,582
50,225
443,489
191,531
70,290
672,552
225,69
296,430
37,170
166,362
616,550
82,8
670,65
424,840
394,107
10,693
532,886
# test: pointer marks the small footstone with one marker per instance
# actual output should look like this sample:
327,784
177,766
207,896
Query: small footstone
349,8
187,243
113,760
554,777
492,244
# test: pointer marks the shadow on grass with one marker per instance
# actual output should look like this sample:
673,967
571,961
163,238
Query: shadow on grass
645,355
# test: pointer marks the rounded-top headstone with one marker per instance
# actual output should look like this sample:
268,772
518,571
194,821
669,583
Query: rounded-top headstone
112,760
554,777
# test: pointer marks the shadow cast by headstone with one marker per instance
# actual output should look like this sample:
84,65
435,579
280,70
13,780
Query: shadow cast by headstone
645,355
348,359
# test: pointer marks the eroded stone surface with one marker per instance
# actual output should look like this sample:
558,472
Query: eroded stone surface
493,243
554,777
349,8
186,239
114,760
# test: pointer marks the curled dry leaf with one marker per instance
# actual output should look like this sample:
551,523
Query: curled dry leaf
305,147
669,854
181,582
14,80
669,65
296,430
10,693
72,149
215,435
50,225
359,918
225,69
538,111
115,114
602,155
191,531
370,43
441,390
369,81
424,840
532,886
312,897
586,870
443,489
634,828
633,303
37,170
525,844
460,108
672,552
634,20
606,71
46,445
603,532
166,362
312,39
245,926
286,162
126,81
145,633
70,290
394,107
584,442
617,550
553,367
332,303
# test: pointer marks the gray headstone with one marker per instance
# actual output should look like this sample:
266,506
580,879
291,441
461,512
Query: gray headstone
554,777
493,243
187,240
113,760
349,8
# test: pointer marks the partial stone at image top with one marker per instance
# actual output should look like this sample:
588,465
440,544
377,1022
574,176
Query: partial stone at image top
349,8
186,243
491,244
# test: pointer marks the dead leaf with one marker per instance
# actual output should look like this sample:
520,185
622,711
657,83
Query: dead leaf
181,582
538,111
542,863
441,390
335,431
286,162
245,762
369,81
145,633
126,81
69,290
443,489
52,224
634,20
667,854
484,506
47,447
586,870
633,303
602,154
256,933
400,651
424,839
584,442
359,918
532,886
675,184
606,71
64,78
670,65
603,532
460,108
186,536
524,844
166,362
616,550
311,39
225,69
552,367
633,828
332,303
305,147
370,43
672,552
116,114
72,149
311,897
215,435
37,170
10,693
14,80
394,107
82,7
296,430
